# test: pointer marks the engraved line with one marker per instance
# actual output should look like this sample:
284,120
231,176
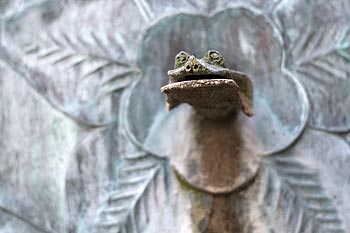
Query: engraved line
329,71
147,7
48,53
307,75
118,76
118,42
300,222
99,43
320,54
10,212
297,46
61,59
326,62
97,69
140,6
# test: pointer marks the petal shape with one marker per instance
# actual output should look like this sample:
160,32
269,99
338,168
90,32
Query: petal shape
254,46
274,89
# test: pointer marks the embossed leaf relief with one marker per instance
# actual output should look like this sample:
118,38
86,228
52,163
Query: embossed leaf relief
89,51
67,54
88,78
141,188
325,69
73,64
87,178
294,200
319,53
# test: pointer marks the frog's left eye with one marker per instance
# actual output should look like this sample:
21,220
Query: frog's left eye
181,58
215,57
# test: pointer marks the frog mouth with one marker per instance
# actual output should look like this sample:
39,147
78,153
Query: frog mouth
199,85
215,95
212,95
194,77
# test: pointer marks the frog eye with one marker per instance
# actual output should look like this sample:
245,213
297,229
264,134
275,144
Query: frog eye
214,55
181,58
215,58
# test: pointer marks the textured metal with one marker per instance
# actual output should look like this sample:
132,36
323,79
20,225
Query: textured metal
86,144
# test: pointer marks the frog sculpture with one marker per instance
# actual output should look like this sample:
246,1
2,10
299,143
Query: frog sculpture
208,85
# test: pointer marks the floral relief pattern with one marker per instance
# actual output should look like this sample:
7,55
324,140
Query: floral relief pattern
104,74
250,44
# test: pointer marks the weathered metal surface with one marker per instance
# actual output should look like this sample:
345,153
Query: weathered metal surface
86,144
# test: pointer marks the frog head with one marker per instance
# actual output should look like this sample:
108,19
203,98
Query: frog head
208,85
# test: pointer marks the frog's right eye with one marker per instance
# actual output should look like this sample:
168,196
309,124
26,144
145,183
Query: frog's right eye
181,59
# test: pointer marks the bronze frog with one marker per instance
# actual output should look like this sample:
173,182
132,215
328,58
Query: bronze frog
208,85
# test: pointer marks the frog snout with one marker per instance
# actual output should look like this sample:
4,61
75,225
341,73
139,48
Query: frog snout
192,65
